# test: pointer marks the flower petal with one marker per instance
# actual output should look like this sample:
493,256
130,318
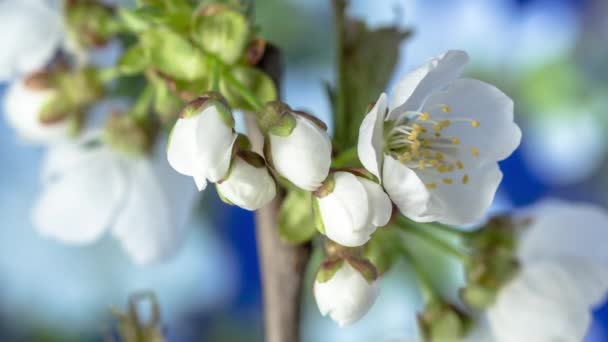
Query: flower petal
248,187
561,228
465,203
152,224
413,89
214,141
371,138
78,205
497,135
181,149
379,203
407,191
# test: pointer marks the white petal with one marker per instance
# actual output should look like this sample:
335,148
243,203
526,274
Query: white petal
31,33
181,150
407,191
214,141
151,225
303,157
371,138
566,229
466,203
541,304
346,297
247,186
200,181
346,212
496,137
379,203
413,89
78,205
22,107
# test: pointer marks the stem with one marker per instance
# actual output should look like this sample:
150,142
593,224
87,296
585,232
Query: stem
215,74
346,158
283,265
421,231
340,120
141,107
247,95
428,292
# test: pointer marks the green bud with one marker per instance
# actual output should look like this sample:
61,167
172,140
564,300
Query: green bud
221,31
327,187
283,126
133,61
259,83
126,135
90,22
441,322
296,218
383,249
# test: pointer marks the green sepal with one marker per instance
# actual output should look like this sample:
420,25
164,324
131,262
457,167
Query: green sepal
383,249
200,104
166,104
364,267
328,186
252,158
127,135
221,31
318,217
133,61
90,23
260,85
173,55
284,126
441,322
296,219
328,268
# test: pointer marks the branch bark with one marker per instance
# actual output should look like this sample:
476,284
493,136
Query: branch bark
282,265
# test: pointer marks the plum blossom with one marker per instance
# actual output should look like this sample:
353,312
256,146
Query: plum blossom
435,145
89,189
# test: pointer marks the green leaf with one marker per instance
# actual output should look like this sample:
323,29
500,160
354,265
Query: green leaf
259,84
296,221
366,60
133,61
173,54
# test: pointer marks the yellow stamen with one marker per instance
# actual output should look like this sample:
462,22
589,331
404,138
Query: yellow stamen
421,164
424,116
446,109
447,180
459,165
455,140
475,151
465,179
431,186
475,123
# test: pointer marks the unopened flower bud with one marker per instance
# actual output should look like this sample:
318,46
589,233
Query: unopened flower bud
298,147
200,144
90,23
249,184
343,291
351,208
221,31
127,135
24,103
441,322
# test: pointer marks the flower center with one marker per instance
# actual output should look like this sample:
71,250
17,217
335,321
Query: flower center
419,141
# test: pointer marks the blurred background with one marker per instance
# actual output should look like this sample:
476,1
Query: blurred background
548,55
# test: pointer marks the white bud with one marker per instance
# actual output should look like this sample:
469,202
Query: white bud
303,156
248,186
23,105
201,141
346,296
354,209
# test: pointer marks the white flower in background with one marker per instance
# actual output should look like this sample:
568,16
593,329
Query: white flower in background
303,156
90,189
200,144
249,184
22,107
31,33
352,208
564,275
346,296
435,146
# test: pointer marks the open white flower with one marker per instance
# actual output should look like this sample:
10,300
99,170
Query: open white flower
352,208
22,107
249,184
90,189
346,296
304,155
31,33
435,146
564,275
200,144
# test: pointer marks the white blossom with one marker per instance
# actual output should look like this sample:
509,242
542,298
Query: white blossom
304,156
89,190
346,296
22,108
248,186
436,144
564,275
31,34
354,209
201,142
